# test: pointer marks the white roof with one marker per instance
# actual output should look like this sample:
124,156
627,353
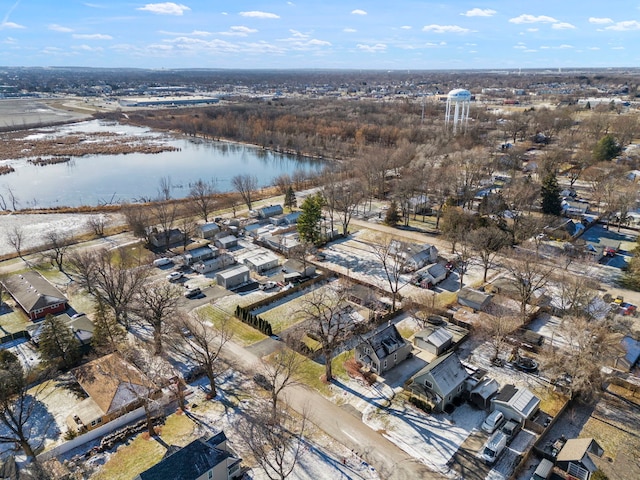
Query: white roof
440,337
524,401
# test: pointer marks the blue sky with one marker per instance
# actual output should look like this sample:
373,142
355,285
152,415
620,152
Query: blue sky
400,34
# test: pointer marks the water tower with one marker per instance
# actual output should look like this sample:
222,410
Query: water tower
458,103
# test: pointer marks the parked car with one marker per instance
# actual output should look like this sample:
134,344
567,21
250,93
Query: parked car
627,308
511,429
174,276
268,285
192,292
493,421
494,447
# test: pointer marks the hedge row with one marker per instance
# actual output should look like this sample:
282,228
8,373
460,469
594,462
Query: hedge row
259,323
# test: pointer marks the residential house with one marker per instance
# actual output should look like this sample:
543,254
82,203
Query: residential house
577,457
631,356
233,277
202,459
162,239
574,207
435,340
227,242
81,326
441,381
208,230
516,403
35,295
383,350
270,211
221,261
261,260
114,387
199,254
474,299
286,220
428,254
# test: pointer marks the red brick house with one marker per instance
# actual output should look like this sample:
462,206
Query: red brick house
35,295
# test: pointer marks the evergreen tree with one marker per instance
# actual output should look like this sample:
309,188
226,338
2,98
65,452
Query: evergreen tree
310,219
550,192
108,333
606,149
57,344
392,216
290,201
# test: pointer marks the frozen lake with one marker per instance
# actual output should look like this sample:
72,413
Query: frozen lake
95,179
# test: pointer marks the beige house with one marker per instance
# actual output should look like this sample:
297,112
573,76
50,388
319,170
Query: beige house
114,386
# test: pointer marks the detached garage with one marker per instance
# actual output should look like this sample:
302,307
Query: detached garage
233,277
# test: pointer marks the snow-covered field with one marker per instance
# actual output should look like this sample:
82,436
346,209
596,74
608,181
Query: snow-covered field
33,227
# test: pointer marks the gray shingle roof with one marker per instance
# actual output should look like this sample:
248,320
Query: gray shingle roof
32,291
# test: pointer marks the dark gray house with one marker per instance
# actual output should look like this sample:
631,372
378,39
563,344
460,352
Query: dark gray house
383,350
435,340
577,457
440,382
474,299
202,459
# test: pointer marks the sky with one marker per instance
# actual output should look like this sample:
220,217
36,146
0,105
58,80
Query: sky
336,34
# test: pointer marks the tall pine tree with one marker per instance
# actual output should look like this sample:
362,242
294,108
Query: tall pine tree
309,221
57,344
550,192
290,201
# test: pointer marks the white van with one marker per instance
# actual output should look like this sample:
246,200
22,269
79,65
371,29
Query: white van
543,471
493,421
160,262
494,447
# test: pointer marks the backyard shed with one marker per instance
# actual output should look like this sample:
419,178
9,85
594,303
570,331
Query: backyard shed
515,403
270,211
233,277
483,392
296,266
434,340
474,299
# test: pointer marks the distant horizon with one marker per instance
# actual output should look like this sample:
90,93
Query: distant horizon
329,35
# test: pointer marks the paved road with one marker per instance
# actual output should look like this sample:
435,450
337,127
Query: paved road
391,462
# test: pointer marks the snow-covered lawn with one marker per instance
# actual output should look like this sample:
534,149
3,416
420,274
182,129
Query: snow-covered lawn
431,438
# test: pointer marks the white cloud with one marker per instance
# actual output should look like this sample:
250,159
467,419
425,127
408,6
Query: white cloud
59,28
92,36
594,48
239,31
520,47
298,34
479,12
12,25
445,29
600,21
349,30
526,18
617,48
357,11
194,33
378,47
563,26
87,48
166,8
258,14
406,27
10,41
530,50
624,26
532,30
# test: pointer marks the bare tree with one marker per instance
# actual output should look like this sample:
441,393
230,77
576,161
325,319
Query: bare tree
83,264
25,427
139,220
282,370
530,276
487,242
56,246
164,215
328,323
245,185
202,194
15,237
276,442
188,227
588,344
164,189
282,182
154,306
496,326
97,224
393,255
201,342
117,281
